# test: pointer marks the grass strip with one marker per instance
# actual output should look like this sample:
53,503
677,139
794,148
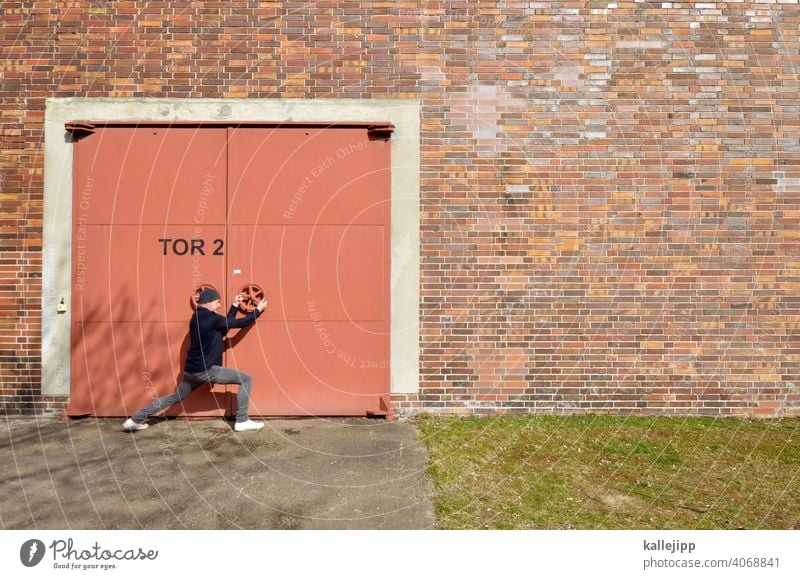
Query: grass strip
612,472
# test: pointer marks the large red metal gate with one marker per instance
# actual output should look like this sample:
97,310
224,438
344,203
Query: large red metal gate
301,210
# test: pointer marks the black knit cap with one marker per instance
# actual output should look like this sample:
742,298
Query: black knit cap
208,295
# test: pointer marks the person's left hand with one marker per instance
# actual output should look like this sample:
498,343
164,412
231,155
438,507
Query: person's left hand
237,300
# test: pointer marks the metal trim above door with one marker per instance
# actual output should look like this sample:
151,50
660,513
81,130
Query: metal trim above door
378,130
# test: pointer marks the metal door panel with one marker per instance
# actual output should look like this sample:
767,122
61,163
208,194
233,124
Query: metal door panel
118,368
314,368
120,272
308,219
332,271
307,175
153,175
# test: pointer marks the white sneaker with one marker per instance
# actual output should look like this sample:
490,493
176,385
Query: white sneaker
248,425
131,425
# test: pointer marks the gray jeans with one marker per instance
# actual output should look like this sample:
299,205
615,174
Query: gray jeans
214,375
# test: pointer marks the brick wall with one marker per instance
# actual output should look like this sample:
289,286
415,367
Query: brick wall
610,191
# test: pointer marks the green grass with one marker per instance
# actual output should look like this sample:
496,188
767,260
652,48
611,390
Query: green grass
604,472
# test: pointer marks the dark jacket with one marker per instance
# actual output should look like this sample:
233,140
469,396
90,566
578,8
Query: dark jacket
206,329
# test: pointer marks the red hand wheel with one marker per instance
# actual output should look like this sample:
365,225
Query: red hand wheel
252,294
194,298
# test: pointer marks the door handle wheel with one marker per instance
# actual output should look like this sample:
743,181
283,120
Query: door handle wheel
252,294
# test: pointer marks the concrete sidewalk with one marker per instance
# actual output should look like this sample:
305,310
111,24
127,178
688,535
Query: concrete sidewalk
338,473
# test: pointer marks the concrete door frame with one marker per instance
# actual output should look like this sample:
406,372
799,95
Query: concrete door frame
58,194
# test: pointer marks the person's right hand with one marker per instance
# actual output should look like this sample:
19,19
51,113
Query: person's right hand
262,305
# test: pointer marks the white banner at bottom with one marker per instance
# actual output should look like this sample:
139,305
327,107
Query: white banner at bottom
352,554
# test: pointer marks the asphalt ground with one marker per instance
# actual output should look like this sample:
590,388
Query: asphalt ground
314,473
